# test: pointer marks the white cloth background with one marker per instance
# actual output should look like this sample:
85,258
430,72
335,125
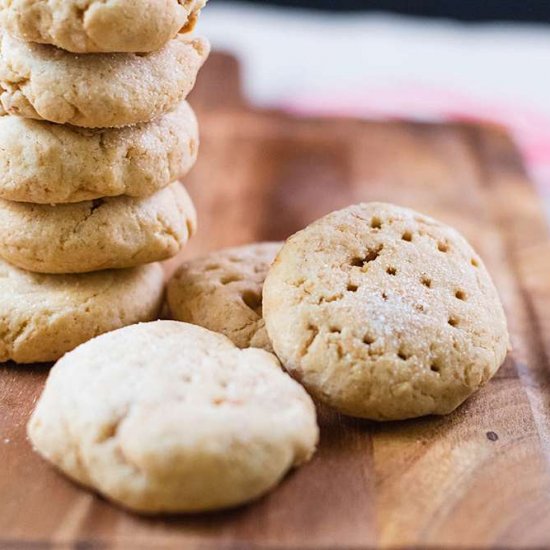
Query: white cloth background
377,65
290,53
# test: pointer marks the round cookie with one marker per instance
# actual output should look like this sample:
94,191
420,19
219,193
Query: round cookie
102,234
384,313
62,164
88,26
223,292
96,90
45,316
170,417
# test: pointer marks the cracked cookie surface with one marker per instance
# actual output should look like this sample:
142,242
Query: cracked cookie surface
96,90
45,316
88,26
384,313
64,164
170,417
88,236
222,291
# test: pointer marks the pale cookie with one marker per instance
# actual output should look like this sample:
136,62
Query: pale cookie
170,417
384,313
61,164
223,292
102,234
45,316
87,26
96,90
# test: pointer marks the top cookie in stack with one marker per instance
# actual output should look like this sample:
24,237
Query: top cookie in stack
95,133
96,26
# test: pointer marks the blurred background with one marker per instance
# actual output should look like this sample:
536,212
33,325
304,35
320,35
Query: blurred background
423,60
513,10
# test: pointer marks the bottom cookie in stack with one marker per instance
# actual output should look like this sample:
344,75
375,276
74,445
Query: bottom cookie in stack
45,316
116,232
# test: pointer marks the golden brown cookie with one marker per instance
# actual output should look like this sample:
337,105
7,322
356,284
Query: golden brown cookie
170,417
222,291
62,164
88,26
102,234
384,313
45,316
96,90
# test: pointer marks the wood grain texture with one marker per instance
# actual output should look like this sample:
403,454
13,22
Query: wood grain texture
477,478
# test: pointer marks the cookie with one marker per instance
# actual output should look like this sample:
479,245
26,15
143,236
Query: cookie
62,164
384,313
223,292
45,316
92,235
88,26
170,417
96,90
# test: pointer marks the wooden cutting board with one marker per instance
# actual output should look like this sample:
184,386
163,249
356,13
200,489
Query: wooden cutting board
477,478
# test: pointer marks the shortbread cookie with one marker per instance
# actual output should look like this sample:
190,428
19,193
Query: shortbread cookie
45,316
61,164
384,313
170,417
96,90
223,292
87,26
102,234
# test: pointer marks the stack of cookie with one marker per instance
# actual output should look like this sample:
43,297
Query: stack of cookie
94,135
